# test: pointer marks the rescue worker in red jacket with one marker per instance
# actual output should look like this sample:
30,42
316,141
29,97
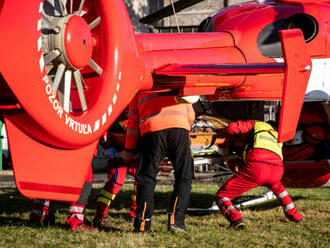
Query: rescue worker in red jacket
263,165
43,212
161,125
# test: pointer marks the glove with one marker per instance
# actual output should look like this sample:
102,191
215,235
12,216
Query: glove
128,156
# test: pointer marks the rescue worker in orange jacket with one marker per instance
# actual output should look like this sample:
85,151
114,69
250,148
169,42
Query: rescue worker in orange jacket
263,165
161,125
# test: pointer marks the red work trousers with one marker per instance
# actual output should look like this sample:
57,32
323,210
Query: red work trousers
252,175
116,179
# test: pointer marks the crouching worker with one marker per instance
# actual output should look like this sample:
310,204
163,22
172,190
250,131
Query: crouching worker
43,212
263,165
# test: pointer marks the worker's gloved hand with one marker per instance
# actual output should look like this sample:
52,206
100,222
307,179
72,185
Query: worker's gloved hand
128,156
110,153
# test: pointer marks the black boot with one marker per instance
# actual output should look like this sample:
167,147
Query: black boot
142,226
237,224
175,224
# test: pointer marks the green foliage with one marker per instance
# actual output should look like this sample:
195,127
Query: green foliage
267,226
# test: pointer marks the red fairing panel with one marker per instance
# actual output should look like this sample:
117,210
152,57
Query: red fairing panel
159,50
51,173
306,174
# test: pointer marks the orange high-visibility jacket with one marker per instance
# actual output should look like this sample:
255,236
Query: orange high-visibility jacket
150,112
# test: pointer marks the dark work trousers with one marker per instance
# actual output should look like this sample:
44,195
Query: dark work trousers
175,144
87,187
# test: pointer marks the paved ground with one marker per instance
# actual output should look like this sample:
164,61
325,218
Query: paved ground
7,179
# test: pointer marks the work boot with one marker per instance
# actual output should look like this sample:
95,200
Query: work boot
42,221
74,223
100,223
142,226
42,214
99,220
174,225
237,225
294,215
177,228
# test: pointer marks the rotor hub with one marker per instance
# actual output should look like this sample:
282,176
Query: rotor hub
74,40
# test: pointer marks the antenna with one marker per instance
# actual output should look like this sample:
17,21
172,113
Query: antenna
176,18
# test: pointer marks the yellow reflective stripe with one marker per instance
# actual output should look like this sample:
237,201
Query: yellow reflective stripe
104,200
133,197
107,194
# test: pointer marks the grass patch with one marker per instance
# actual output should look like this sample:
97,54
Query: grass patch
267,226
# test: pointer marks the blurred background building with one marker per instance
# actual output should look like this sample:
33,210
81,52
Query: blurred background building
188,19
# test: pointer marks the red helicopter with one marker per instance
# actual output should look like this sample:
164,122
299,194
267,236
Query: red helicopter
69,68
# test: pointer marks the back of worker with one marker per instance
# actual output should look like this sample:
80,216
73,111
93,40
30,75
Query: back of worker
163,125
150,112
